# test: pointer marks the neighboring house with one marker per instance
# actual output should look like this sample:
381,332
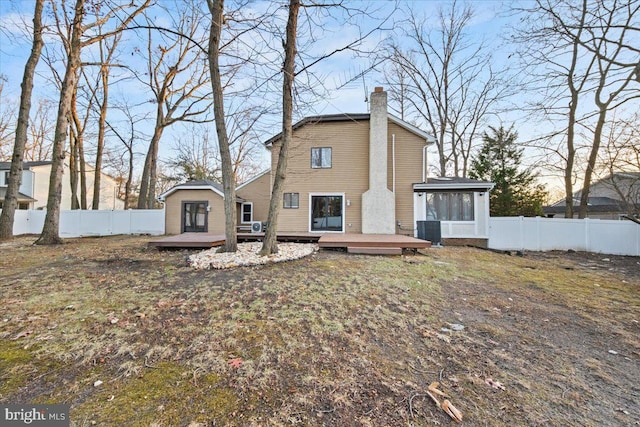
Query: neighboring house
34,188
612,197
347,173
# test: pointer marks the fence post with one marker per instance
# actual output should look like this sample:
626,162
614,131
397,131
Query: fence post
587,240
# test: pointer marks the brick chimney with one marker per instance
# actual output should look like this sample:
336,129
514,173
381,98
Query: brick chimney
378,203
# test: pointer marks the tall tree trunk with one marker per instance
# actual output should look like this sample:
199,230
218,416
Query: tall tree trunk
78,140
15,174
73,169
83,173
228,177
127,186
146,198
100,145
573,108
50,231
591,163
571,155
270,244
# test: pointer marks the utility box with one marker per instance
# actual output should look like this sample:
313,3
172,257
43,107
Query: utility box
431,231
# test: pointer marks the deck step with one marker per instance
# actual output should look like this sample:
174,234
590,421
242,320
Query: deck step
373,250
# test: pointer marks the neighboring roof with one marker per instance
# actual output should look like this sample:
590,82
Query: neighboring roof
592,201
446,183
631,175
594,204
196,184
351,118
253,178
25,165
21,197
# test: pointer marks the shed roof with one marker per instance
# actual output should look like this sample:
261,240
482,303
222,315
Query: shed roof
195,184
446,183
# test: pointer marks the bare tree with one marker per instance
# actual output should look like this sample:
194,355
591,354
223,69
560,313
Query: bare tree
6,120
41,126
15,174
583,59
50,231
177,75
618,166
123,161
447,82
613,37
270,243
107,50
216,7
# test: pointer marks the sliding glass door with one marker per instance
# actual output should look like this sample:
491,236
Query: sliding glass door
326,213
194,217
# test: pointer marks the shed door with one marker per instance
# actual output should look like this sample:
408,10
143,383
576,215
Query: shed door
194,217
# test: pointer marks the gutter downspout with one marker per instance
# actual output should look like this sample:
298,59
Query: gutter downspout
424,163
393,160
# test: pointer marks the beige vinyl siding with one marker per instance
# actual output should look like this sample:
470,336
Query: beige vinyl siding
173,206
349,172
259,193
408,172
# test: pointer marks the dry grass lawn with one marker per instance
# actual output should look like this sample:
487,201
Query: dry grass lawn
329,340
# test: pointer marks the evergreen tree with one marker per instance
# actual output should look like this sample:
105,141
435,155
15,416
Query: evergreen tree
516,192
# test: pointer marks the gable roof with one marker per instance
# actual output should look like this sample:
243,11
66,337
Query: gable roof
347,117
446,183
253,178
196,184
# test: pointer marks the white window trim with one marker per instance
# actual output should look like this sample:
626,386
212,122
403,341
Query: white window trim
291,207
344,219
242,221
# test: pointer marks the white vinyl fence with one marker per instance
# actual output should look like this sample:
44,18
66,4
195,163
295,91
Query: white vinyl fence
78,223
546,234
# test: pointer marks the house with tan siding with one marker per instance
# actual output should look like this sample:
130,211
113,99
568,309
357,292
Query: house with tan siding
359,173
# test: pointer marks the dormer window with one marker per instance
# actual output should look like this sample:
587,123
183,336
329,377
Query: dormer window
321,158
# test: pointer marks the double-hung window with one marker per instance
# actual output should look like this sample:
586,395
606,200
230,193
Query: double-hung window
291,200
247,212
321,157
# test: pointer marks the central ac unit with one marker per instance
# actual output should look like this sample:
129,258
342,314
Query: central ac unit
256,226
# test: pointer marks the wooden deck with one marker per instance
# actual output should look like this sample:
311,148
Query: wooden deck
375,244
189,240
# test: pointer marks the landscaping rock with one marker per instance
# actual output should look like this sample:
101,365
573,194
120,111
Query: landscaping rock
247,254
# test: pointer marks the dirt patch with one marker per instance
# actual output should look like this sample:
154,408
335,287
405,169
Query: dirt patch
332,339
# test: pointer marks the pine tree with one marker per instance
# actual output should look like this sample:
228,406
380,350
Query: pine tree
499,161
